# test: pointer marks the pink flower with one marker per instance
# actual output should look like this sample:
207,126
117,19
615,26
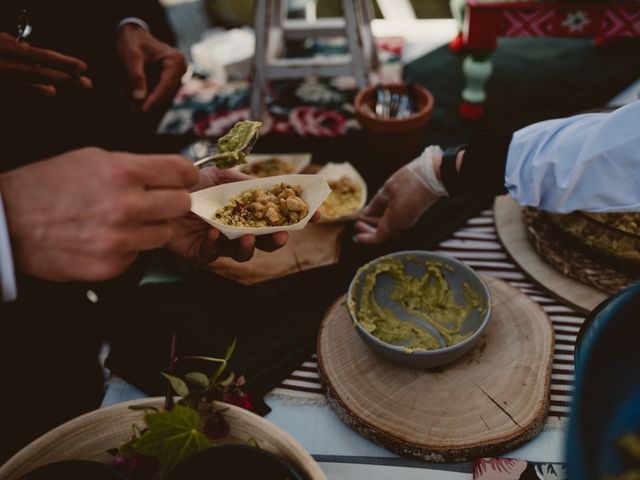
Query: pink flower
311,121
498,469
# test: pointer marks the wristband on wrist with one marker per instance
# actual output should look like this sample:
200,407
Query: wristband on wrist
450,176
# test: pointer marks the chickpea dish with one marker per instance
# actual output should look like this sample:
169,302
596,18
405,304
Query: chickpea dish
279,205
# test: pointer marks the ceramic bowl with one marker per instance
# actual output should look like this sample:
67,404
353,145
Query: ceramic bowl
91,435
606,397
456,275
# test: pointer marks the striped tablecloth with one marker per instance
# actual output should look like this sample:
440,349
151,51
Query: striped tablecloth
477,244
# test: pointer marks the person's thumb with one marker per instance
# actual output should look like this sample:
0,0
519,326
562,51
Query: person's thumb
134,63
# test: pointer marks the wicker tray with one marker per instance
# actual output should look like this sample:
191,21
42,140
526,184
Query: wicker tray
575,262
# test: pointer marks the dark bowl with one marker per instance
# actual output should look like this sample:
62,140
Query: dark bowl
235,462
606,400
75,470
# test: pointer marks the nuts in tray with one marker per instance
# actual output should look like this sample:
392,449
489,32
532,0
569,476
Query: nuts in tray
277,206
267,168
345,199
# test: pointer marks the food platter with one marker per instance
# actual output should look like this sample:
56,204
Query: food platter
512,233
297,162
354,200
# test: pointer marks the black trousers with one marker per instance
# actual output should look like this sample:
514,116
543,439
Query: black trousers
50,339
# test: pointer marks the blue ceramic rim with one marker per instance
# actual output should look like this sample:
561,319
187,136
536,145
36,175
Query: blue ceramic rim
437,351
574,449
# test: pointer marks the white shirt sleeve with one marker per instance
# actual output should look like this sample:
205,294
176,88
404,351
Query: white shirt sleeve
586,162
135,20
8,287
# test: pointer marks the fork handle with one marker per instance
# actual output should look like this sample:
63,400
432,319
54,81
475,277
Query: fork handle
205,160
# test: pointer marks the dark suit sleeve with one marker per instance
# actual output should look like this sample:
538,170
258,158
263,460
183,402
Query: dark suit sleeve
482,169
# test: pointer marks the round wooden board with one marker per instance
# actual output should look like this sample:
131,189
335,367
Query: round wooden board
513,235
489,401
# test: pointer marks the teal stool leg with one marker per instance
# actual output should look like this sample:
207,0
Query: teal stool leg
477,69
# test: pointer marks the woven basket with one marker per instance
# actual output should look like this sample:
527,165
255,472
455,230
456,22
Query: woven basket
89,436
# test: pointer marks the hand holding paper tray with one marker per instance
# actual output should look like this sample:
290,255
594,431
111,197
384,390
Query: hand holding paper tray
205,203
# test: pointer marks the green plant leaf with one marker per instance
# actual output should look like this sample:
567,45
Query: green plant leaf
177,384
198,379
222,366
172,436
229,380
230,349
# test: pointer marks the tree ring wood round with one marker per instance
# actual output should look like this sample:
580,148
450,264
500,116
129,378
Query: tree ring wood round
489,401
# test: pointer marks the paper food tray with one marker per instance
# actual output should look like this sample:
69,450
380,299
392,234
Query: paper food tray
206,202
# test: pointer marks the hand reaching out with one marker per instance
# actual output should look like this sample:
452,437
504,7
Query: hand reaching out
396,207
38,71
138,49
86,214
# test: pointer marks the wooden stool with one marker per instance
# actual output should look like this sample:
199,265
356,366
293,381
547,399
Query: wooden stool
273,28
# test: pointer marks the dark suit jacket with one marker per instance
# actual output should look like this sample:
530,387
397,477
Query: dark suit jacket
33,129
52,333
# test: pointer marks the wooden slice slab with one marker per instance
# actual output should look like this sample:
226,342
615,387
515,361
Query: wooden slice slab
513,235
489,401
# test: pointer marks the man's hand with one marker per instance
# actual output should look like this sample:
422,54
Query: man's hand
86,214
139,50
397,206
38,71
201,244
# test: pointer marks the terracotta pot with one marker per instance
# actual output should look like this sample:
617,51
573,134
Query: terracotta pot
395,140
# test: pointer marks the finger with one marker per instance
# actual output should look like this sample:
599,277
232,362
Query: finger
271,243
213,234
172,71
133,60
102,267
245,248
370,220
148,206
372,236
230,175
42,75
316,216
150,236
49,58
212,176
45,91
161,205
164,171
131,240
363,227
377,206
